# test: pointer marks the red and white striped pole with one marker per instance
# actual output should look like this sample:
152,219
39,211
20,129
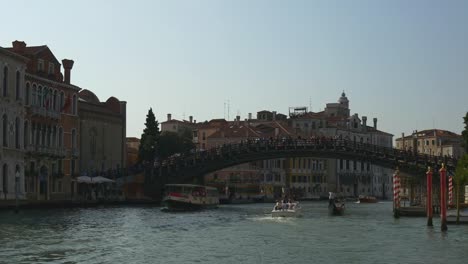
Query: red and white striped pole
429,196
450,191
396,193
443,198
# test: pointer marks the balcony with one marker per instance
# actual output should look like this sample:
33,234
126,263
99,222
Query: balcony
35,150
42,112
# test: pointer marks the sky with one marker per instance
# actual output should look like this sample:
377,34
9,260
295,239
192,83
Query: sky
403,62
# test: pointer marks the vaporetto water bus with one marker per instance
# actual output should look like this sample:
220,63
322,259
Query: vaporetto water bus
183,197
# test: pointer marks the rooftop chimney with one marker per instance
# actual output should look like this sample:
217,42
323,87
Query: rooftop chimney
250,116
19,46
364,121
274,115
375,123
169,117
191,119
67,66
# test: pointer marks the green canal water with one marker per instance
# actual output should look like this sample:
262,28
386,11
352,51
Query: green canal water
367,233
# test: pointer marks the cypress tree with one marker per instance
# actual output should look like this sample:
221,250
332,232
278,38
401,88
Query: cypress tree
148,149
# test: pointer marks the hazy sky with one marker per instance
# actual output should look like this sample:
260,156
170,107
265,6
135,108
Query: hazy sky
404,62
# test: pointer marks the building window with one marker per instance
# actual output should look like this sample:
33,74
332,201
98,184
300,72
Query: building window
62,101
5,178
27,92
74,109
347,164
341,164
5,130
34,95
60,141
51,68
5,81
40,65
39,96
26,134
17,133
18,82
433,142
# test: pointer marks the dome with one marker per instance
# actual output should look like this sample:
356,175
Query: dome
88,96
113,104
343,99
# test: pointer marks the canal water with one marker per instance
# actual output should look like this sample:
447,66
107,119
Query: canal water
367,233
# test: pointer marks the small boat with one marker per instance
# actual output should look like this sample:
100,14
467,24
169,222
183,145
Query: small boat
336,207
189,197
294,211
367,199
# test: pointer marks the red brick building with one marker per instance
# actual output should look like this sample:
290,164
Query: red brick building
51,125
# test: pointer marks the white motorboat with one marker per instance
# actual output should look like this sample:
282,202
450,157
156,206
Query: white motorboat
294,211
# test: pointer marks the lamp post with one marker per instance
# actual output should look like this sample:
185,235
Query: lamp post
17,176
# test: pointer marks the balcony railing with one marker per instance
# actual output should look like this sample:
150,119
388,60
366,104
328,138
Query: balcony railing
46,151
43,112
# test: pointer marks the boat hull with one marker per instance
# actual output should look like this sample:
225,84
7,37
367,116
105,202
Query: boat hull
336,210
367,200
174,205
286,213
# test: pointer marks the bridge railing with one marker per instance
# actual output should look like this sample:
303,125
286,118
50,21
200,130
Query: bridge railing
325,144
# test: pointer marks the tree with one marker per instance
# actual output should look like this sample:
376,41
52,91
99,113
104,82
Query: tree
465,133
461,176
171,143
148,149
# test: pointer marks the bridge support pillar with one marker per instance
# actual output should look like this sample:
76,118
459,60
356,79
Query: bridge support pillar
396,194
443,198
429,196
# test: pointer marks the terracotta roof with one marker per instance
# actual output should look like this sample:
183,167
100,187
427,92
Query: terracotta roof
31,50
432,133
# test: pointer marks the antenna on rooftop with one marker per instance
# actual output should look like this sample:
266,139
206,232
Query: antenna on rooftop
228,110
310,104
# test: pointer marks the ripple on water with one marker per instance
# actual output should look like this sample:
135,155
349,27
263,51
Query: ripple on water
230,234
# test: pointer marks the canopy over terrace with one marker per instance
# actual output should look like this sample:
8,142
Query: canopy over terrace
93,180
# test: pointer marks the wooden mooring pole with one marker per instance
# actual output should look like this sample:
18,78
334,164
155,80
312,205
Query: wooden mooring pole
429,196
443,198
396,194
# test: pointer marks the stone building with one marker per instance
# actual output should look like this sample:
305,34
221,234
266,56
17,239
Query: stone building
103,134
351,178
435,142
51,125
12,124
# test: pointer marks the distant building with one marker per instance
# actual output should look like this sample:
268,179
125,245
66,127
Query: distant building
177,126
133,144
435,142
12,124
103,134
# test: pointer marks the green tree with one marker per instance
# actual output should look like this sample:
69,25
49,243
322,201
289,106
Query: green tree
148,149
461,176
465,133
171,143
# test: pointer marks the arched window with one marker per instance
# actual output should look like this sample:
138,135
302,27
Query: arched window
54,101
39,96
34,95
73,139
62,101
60,139
5,81
17,133
74,105
18,82
5,179
5,131
26,93
26,134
